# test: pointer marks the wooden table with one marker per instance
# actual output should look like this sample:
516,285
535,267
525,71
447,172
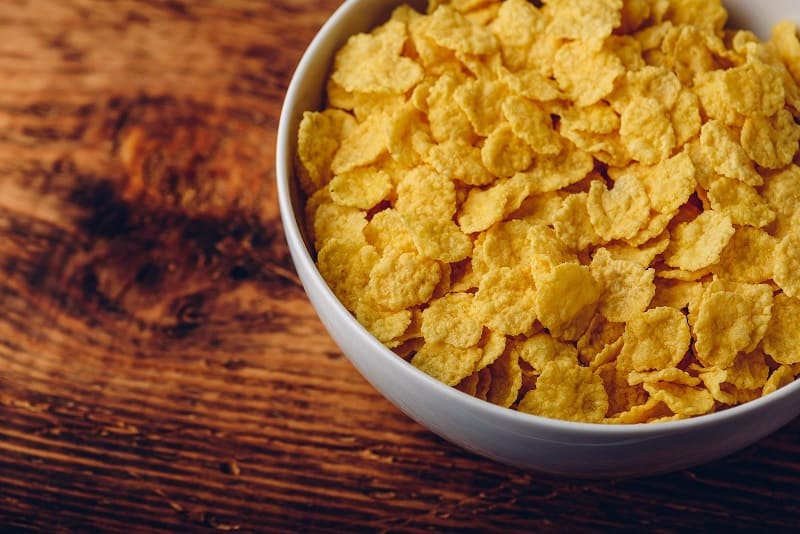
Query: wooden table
160,366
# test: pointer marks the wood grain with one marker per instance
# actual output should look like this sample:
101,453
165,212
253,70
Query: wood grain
160,366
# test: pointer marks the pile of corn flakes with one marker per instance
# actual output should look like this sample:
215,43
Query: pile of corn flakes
580,209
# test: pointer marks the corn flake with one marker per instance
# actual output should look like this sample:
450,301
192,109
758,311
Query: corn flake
731,320
699,243
373,62
504,154
446,363
749,257
361,188
627,287
681,399
787,265
567,391
566,300
584,74
620,212
505,300
541,349
741,202
646,131
771,142
656,339
402,280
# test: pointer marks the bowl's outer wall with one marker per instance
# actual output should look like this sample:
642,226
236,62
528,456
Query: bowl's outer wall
516,439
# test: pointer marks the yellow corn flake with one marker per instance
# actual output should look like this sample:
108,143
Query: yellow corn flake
707,15
551,173
782,339
459,161
385,326
588,20
731,320
655,339
361,188
504,154
451,319
481,100
493,345
672,375
364,145
592,128
541,349
506,244
450,29
771,142
726,156
505,300
655,229
345,266
646,131
648,82
688,52
749,257
670,183
787,265
749,371
700,242
402,280
539,208
332,221
373,62
532,123
652,410
566,300
782,376
408,136
785,42
620,212
445,116
678,294
438,239
532,84
628,50
755,89
567,391
506,381
483,208
622,397
627,287
573,224
545,250
741,202
782,193
517,22
584,74
425,192
685,116
643,254
599,335
681,399
445,363
386,229
318,139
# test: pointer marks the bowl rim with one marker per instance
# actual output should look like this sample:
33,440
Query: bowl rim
307,269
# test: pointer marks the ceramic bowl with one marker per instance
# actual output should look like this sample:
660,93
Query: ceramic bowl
518,439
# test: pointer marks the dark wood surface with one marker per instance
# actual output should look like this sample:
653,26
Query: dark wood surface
160,366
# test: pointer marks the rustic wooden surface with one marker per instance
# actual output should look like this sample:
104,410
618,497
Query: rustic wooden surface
160,366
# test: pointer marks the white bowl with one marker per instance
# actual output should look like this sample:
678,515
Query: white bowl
518,439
